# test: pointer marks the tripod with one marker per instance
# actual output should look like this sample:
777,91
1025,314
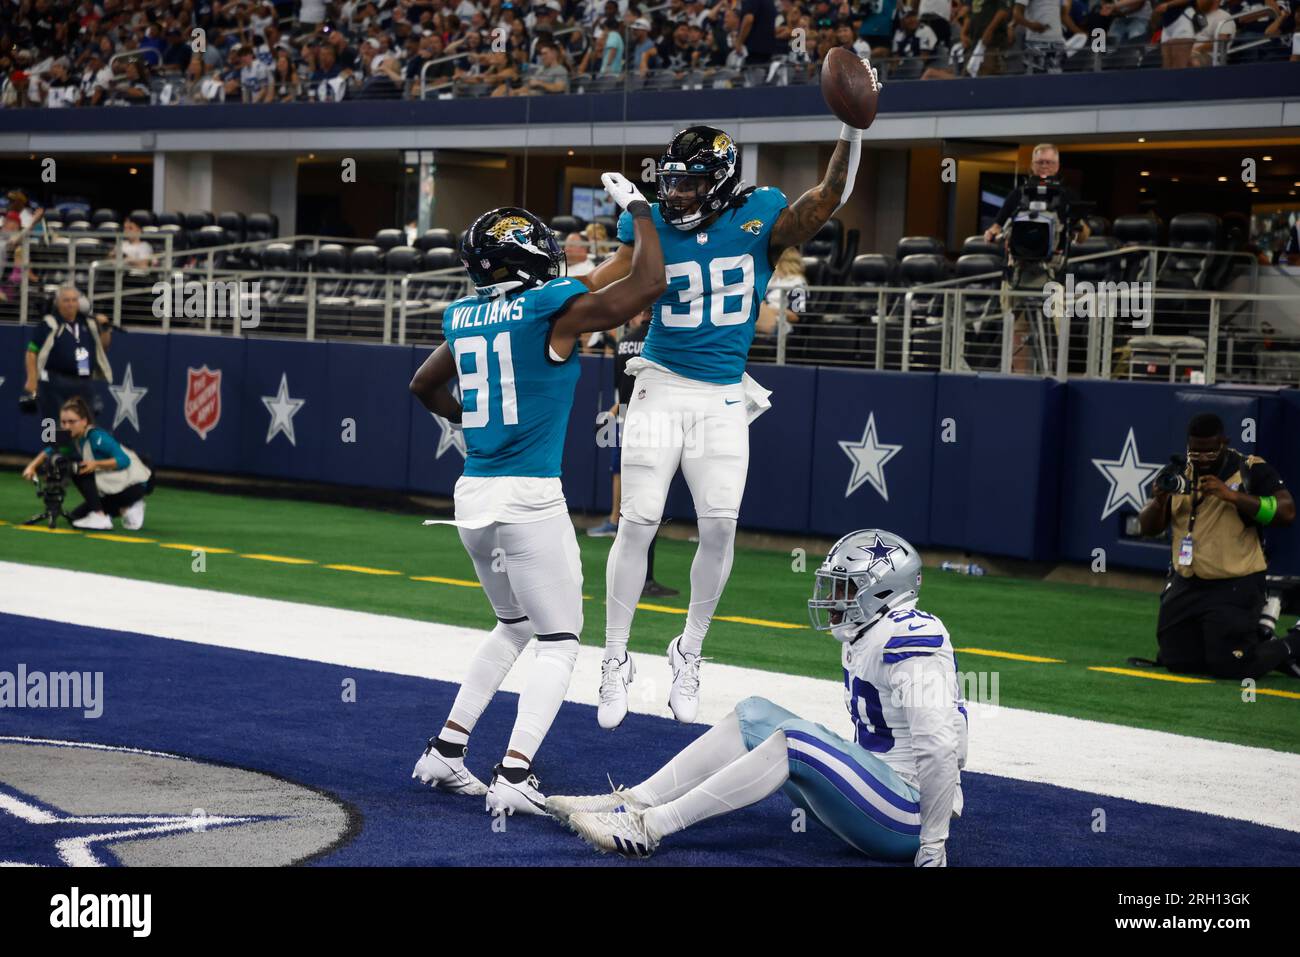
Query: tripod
52,494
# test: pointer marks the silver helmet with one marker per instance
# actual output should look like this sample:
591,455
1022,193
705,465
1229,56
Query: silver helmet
865,573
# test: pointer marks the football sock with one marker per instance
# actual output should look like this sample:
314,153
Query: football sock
543,694
450,743
709,573
491,663
706,755
625,580
745,781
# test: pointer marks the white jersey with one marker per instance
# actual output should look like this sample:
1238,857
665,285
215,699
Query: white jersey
904,696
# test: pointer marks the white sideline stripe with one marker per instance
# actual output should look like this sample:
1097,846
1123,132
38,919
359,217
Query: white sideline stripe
1152,767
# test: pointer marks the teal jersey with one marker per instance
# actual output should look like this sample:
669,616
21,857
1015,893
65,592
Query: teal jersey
703,324
516,398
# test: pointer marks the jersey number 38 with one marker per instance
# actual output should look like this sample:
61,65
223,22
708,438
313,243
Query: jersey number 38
729,301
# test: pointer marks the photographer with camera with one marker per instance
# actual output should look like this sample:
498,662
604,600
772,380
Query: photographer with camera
111,478
1045,162
1217,502
65,356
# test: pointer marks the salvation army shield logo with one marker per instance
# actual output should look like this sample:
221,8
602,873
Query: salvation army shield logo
203,400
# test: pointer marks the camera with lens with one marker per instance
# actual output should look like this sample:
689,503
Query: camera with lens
52,478
1041,223
1172,479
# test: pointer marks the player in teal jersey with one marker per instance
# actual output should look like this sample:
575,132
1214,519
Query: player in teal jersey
693,402
511,346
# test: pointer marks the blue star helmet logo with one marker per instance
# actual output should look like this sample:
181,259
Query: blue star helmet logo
880,551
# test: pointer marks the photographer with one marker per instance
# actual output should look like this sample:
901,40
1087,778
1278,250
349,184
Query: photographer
64,357
110,477
1217,502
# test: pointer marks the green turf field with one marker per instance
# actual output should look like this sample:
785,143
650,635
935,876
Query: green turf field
1083,627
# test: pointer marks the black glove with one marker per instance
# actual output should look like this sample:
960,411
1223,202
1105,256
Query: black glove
27,403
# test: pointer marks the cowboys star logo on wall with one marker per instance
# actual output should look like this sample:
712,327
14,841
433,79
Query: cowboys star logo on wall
127,396
869,457
282,409
1128,477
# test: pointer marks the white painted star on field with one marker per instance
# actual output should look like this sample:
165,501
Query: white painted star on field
127,395
1128,477
282,409
869,457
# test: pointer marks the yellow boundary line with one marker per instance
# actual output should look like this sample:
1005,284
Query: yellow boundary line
1178,679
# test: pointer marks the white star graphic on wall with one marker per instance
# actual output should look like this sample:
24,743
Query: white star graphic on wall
869,457
1128,476
282,409
127,395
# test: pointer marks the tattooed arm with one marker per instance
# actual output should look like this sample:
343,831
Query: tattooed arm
800,221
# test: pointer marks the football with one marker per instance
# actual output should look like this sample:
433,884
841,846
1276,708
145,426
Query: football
850,88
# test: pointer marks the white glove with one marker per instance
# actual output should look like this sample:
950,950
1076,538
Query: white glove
932,855
621,190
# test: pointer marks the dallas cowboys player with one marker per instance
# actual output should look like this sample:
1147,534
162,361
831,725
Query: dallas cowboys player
693,401
511,346
890,794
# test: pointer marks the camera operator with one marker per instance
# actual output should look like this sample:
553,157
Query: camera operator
1045,162
1218,502
65,356
111,477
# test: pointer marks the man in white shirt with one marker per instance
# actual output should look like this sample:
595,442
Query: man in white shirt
1212,39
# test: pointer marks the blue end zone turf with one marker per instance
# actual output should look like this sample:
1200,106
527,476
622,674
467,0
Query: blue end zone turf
287,717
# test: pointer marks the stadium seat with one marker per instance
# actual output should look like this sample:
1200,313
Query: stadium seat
436,239
873,269
1198,234
1136,231
103,216
567,224
276,259
1096,270
444,258
977,245
261,226
918,245
142,217
386,239
169,219
1099,225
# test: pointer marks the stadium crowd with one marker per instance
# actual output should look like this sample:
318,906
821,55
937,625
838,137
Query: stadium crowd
64,53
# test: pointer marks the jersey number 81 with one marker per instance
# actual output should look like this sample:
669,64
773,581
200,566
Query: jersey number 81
477,381
691,295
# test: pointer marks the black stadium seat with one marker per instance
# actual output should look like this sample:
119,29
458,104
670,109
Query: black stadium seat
1096,270
977,245
917,245
1198,234
233,224
567,224
169,219
386,239
873,269
142,217
436,239
103,216
441,258
261,226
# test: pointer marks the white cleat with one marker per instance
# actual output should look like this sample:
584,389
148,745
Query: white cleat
133,516
96,520
684,696
623,833
446,774
615,676
563,806
515,797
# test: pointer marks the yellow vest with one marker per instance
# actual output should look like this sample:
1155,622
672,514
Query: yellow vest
1223,544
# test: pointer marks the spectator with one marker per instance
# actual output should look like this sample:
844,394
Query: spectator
913,39
1177,32
786,290
551,77
137,253
757,37
96,79
500,73
877,18
177,53
936,14
847,37
643,48
986,36
133,86
1213,38
1130,20
284,77
254,81
12,259
611,57
329,81
1044,46
60,90
577,261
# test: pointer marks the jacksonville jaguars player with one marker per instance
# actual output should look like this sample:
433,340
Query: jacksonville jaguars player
511,346
693,402
889,794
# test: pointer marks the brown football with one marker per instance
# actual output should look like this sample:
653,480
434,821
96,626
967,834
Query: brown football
849,88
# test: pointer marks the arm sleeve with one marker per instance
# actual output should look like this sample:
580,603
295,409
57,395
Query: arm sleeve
625,230
104,446
926,686
1008,206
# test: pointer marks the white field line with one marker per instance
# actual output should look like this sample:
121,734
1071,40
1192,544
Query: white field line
1249,784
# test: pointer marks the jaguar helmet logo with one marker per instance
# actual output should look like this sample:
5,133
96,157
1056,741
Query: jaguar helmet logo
505,228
